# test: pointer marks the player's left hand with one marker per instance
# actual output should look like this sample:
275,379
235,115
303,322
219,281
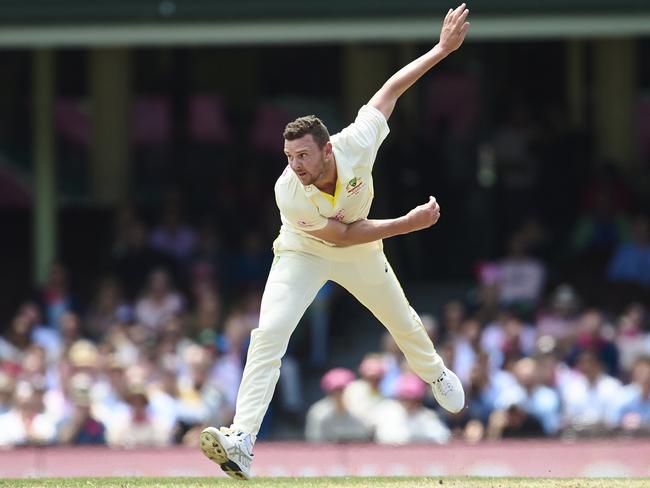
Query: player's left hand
454,29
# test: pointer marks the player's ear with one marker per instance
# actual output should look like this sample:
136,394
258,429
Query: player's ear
328,149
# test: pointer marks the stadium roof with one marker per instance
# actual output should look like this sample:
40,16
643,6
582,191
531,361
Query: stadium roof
149,22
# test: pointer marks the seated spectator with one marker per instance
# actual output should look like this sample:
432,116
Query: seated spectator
467,347
134,261
531,396
632,340
521,277
56,296
200,401
453,315
559,320
174,237
110,391
105,308
514,422
632,412
329,420
6,392
80,427
406,420
15,343
137,426
507,338
26,423
596,335
394,364
588,396
630,262
159,302
363,394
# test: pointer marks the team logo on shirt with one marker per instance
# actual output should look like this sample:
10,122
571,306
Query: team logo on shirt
354,185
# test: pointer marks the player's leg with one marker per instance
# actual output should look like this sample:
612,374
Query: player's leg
372,281
292,284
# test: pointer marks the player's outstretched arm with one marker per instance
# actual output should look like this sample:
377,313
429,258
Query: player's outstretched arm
452,35
362,231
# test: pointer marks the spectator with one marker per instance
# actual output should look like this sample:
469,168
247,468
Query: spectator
137,426
136,259
531,396
632,340
632,414
394,364
159,302
200,401
363,394
329,420
630,262
560,321
80,427
15,343
596,335
27,422
588,396
467,347
406,420
521,277
56,296
507,338
174,237
6,392
514,422
105,308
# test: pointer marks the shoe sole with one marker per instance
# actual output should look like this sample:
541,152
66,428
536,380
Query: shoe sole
215,452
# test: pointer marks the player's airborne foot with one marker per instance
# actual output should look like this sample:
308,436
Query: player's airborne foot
231,450
448,391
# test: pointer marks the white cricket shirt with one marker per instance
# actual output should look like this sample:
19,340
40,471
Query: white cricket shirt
305,208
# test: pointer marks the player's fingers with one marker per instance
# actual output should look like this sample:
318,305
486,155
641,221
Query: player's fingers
448,14
457,11
460,20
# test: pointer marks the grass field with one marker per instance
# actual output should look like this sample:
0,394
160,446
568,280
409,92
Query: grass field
443,482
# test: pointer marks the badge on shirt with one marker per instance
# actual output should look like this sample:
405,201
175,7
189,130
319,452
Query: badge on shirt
354,185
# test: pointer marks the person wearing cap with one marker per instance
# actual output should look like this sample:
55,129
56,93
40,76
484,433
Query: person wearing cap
80,425
406,420
329,419
139,426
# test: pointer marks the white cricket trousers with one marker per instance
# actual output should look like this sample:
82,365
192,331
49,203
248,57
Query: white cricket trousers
294,280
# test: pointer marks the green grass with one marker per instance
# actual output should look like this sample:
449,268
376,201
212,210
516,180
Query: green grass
393,482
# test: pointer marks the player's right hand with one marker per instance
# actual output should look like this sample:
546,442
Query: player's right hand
454,29
425,215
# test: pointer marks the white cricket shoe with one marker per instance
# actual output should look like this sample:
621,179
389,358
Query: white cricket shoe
448,391
231,450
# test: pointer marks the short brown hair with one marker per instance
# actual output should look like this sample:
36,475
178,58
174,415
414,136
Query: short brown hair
309,124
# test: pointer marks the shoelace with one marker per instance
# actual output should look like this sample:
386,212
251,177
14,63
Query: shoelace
231,433
443,386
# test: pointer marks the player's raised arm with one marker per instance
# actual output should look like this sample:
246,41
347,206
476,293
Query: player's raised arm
369,230
452,35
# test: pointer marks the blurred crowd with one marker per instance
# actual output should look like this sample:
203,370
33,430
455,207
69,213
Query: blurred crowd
156,354
535,360
551,340
151,358
569,373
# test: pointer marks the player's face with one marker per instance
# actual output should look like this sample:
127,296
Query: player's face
306,159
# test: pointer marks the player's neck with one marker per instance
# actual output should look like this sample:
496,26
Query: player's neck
327,182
